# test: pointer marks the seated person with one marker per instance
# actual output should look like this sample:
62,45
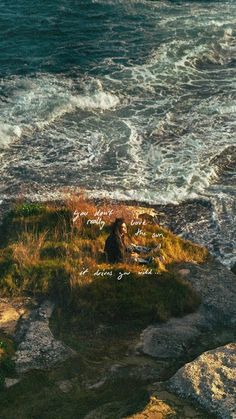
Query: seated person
117,249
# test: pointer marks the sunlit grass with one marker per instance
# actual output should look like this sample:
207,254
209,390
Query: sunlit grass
57,251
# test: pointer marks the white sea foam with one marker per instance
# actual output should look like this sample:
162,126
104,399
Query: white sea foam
34,103
171,111
7,132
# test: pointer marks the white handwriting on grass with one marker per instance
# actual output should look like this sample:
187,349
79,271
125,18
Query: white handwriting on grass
120,275
98,221
101,213
77,214
110,273
148,272
138,222
140,232
102,273
84,272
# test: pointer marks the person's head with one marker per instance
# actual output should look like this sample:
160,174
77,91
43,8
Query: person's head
119,227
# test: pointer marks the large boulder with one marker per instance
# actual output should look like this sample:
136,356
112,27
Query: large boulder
171,339
210,380
216,286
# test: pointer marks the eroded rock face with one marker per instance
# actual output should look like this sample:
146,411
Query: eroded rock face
210,380
38,349
216,286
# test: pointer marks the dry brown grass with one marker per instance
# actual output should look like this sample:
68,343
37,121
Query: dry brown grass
87,209
79,246
27,250
50,255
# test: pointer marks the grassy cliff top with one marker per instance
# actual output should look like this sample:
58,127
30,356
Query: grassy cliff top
56,251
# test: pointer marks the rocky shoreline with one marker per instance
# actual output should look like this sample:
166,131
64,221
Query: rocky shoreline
192,356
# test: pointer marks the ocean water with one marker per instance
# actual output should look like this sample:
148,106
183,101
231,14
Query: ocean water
130,99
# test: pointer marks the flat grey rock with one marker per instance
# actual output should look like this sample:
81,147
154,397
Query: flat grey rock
38,349
210,380
9,382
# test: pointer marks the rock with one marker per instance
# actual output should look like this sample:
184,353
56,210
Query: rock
10,313
157,408
9,382
184,272
143,371
210,380
171,339
66,385
233,268
216,286
96,385
38,349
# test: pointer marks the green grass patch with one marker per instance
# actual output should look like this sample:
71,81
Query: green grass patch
134,297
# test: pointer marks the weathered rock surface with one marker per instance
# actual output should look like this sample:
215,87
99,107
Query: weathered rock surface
171,340
66,385
38,349
164,405
210,380
216,286
10,312
9,382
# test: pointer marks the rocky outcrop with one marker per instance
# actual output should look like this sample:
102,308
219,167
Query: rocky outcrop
216,286
38,349
11,311
210,381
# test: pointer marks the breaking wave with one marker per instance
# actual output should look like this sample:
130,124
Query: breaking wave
33,103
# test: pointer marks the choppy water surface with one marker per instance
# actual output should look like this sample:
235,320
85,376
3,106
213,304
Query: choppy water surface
128,99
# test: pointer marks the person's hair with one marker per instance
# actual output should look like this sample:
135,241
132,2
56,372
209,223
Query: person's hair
115,228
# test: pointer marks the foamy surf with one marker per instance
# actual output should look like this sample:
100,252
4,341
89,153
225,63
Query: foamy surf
34,103
140,106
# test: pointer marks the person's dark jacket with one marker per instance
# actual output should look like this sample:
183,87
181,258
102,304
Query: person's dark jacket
115,249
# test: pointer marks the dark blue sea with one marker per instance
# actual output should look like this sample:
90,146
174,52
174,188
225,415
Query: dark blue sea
129,99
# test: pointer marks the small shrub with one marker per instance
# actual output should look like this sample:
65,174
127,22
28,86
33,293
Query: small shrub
28,209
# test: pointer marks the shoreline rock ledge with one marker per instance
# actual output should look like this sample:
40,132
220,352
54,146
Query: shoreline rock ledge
210,381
